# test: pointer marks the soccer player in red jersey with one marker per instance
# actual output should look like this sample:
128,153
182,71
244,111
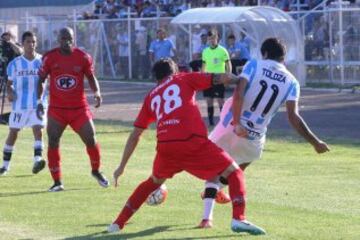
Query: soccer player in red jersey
66,67
182,143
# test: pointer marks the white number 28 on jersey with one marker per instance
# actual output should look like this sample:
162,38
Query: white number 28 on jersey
171,98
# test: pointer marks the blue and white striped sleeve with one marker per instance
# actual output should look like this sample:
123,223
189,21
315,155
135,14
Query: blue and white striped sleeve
249,69
10,70
294,94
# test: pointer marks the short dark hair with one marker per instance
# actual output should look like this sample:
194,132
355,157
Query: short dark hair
213,32
274,49
231,36
27,34
161,30
164,68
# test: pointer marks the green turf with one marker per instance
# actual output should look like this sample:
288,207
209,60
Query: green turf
292,192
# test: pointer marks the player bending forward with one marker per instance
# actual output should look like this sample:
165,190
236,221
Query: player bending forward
264,86
182,143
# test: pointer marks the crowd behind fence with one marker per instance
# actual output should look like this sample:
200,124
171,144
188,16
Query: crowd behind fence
120,46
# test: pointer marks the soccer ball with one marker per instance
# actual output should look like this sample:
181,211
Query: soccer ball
158,196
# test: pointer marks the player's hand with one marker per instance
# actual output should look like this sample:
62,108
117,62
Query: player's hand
117,173
321,147
40,111
11,96
240,131
98,99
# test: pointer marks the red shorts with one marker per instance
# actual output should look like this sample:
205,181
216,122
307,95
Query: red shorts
198,156
76,118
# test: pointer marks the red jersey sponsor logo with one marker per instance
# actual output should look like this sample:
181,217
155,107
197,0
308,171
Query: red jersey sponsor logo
66,82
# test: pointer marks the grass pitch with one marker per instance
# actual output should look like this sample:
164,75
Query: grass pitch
292,192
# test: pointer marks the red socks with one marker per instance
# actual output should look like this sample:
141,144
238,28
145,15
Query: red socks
237,193
94,155
135,201
54,163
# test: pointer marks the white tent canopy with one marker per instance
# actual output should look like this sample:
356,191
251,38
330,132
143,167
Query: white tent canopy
229,15
258,23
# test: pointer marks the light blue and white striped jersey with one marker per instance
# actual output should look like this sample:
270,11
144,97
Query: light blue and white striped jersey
24,75
270,84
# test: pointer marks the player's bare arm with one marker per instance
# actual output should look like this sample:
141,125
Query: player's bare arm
130,146
40,90
94,85
301,127
10,91
224,78
152,58
203,65
228,66
238,99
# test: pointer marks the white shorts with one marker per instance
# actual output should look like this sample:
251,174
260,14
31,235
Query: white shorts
25,118
242,150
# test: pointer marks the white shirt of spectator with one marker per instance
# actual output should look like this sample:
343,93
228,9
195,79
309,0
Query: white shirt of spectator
123,41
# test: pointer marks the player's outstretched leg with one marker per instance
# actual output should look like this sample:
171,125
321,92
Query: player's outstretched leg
134,202
237,194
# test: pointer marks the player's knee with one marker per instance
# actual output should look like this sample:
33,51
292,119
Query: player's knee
14,131
53,141
210,192
223,180
158,180
230,169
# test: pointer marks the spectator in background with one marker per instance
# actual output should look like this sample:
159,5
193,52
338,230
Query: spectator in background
320,38
203,44
109,6
196,63
228,3
141,39
113,12
245,40
123,51
161,47
99,7
234,51
149,10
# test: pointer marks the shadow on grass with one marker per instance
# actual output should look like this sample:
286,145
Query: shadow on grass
144,234
3,195
113,126
21,176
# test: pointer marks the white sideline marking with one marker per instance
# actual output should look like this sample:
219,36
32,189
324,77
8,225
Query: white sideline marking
125,82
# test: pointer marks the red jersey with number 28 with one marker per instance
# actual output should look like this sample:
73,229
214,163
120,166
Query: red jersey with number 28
67,77
172,105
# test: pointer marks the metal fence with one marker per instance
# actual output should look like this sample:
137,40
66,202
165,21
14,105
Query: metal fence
120,46
332,44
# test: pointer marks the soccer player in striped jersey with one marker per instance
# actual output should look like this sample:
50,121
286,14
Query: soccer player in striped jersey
22,92
264,86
